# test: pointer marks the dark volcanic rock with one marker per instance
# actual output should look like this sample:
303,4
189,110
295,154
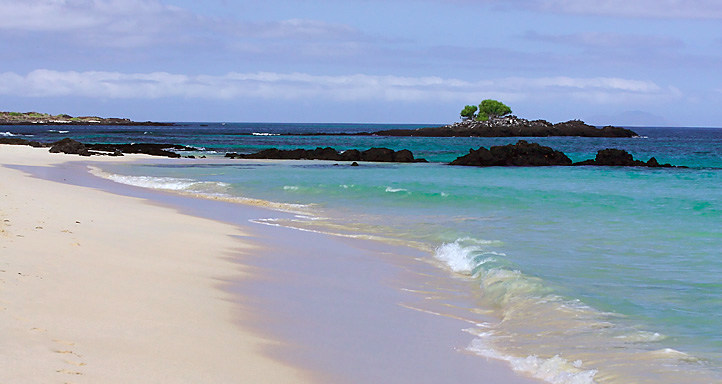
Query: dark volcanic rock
526,154
615,157
142,148
351,155
404,156
512,126
378,155
70,146
619,158
19,141
75,147
522,154
328,153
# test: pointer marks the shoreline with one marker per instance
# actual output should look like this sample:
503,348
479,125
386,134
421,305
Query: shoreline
97,287
262,316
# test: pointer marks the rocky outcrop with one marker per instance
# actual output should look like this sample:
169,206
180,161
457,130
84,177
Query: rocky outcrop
521,154
141,148
74,147
524,154
19,141
619,158
70,146
512,126
328,153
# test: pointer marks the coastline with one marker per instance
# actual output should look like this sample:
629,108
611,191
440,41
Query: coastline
96,287
249,331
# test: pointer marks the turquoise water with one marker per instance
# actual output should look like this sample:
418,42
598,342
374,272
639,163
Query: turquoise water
606,275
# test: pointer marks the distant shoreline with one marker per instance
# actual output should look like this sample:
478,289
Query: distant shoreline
36,118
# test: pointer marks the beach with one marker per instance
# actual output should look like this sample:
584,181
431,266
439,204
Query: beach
96,287
134,286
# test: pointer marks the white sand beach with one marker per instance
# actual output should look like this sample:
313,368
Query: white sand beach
101,288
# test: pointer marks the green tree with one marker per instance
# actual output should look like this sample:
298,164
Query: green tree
469,112
491,108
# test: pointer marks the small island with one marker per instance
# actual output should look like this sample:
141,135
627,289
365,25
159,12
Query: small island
31,118
493,118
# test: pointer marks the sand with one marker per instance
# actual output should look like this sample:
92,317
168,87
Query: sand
101,288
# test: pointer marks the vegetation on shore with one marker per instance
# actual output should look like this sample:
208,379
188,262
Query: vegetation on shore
487,109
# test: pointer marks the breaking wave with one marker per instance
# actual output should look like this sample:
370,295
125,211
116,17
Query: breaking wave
203,189
557,339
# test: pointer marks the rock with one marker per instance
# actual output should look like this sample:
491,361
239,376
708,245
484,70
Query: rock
351,155
19,141
612,157
384,155
142,148
70,146
328,153
354,164
521,154
512,126
615,157
404,156
533,155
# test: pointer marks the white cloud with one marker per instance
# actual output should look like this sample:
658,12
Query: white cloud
111,23
303,86
615,41
142,23
294,29
669,9
65,15
673,9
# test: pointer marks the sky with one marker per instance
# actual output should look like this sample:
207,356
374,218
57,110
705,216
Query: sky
620,62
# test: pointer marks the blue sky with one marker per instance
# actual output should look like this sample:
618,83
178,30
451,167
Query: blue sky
624,62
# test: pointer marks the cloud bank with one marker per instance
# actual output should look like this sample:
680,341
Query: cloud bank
664,9
343,88
139,23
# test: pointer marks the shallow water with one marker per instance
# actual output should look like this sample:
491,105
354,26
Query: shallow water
607,275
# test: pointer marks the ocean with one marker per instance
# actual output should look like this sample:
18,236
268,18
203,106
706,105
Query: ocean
592,274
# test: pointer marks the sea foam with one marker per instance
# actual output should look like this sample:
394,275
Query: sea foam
555,370
164,183
466,255
167,183
202,189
